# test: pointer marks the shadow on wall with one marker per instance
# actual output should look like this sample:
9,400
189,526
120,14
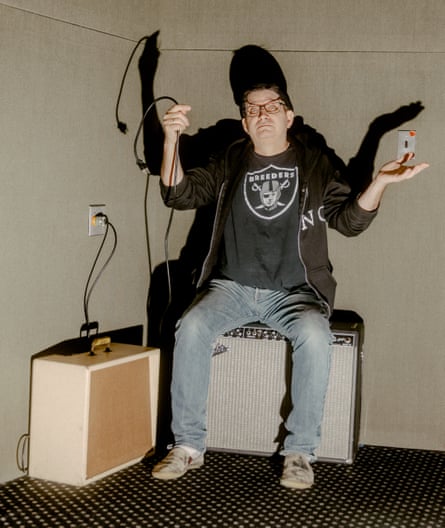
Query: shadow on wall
249,63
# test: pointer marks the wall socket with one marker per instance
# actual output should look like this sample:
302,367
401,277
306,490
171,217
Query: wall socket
406,142
96,226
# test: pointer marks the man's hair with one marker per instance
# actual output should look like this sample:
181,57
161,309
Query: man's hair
265,86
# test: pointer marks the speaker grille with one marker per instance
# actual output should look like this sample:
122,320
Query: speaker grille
246,393
339,426
248,397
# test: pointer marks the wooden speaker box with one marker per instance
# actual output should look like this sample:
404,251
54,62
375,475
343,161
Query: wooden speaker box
92,414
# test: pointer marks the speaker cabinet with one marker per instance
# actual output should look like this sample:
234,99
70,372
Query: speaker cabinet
249,401
92,414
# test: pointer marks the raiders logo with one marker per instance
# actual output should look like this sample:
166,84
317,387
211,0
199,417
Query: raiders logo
271,191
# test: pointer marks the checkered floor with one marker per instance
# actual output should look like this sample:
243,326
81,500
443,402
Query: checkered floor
391,488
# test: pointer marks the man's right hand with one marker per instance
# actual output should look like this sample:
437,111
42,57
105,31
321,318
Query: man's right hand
175,121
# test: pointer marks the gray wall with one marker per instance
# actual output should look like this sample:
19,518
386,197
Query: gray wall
346,63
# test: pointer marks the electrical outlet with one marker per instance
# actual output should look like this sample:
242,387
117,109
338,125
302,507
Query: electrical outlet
406,142
96,225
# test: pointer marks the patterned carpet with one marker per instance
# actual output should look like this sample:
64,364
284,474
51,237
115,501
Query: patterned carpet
385,487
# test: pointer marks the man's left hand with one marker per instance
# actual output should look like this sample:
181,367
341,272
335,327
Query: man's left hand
396,171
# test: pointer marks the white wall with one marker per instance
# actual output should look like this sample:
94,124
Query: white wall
346,62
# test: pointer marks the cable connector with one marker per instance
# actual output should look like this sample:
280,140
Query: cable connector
122,127
141,164
99,220
87,328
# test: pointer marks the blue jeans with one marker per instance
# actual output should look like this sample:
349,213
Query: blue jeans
299,316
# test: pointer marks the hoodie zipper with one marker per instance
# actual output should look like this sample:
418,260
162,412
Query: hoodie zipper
212,238
303,200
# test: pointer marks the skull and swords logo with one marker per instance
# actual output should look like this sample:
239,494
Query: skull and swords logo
271,191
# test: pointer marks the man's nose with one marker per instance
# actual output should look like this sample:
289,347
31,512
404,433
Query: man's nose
262,111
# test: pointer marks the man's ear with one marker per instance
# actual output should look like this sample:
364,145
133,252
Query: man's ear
290,117
243,122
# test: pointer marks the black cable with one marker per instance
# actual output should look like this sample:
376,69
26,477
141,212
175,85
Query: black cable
88,290
144,168
139,162
170,220
121,125
147,234
20,455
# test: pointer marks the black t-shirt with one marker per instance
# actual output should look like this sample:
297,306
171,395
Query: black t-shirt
260,246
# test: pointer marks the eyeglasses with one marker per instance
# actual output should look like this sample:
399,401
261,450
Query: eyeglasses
272,107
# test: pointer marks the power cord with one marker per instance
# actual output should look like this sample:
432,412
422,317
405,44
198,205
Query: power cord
170,220
142,164
87,325
120,124
21,453
144,168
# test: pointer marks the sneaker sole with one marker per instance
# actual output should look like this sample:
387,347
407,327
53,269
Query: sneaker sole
292,484
170,475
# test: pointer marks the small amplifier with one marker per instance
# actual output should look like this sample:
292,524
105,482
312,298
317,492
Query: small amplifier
249,400
92,413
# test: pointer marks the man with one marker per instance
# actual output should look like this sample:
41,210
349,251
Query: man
264,264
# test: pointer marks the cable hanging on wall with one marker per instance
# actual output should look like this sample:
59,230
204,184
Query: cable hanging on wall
139,161
88,326
120,124
143,166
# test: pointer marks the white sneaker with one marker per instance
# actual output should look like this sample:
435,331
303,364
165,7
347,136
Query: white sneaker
297,472
176,464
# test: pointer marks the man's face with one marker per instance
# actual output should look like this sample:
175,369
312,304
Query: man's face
266,125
